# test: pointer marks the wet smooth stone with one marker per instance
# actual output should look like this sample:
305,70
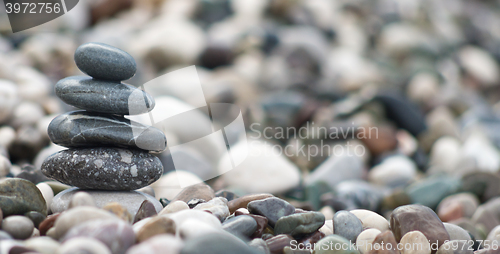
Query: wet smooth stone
457,206
103,61
414,242
81,198
278,242
216,206
370,219
299,223
160,244
117,235
456,232
242,202
216,243
383,239
173,207
418,217
147,209
347,225
456,247
35,217
272,208
156,226
199,191
240,225
118,210
229,195
327,246
85,245
43,244
19,196
103,168
87,129
103,96
19,227
79,215
128,199
48,223
365,239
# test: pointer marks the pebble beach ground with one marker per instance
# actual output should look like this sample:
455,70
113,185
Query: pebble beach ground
369,127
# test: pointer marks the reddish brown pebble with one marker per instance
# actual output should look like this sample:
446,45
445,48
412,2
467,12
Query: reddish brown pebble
384,238
451,212
147,209
277,243
48,223
242,202
312,238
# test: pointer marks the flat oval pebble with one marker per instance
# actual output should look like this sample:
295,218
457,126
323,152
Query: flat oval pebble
103,96
103,61
418,217
156,226
299,223
19,196
117,235
347,225
103,168
19,227
43,244
85,245
87,129
240,225
272,208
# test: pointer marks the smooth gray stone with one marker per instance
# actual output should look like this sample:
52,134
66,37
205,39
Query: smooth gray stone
216,243
272,208
131,200
105,62
19,196
86,129
347,225
103,96
103,168
299,223
240,225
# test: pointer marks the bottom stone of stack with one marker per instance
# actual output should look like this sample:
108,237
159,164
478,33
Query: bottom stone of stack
104,168
131,200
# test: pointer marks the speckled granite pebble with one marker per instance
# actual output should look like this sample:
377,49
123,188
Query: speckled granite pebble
103,168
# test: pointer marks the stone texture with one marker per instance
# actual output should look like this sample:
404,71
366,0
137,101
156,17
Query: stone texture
199,191
19,227
457,206
19,196
118,210
103,61
35,217
272,208
155,226
103,168
371,219
365,239
79,215
117,235
384,238
243,201
347,225
161,244
456,232
48,223
324,246
85,245
299,223
131,200
147,209
216,243
103,96
415,242
87,129
418,217
243,225
216,206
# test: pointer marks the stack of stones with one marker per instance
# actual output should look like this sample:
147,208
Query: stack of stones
106,151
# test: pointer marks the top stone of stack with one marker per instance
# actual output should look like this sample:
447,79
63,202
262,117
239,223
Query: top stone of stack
104,62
